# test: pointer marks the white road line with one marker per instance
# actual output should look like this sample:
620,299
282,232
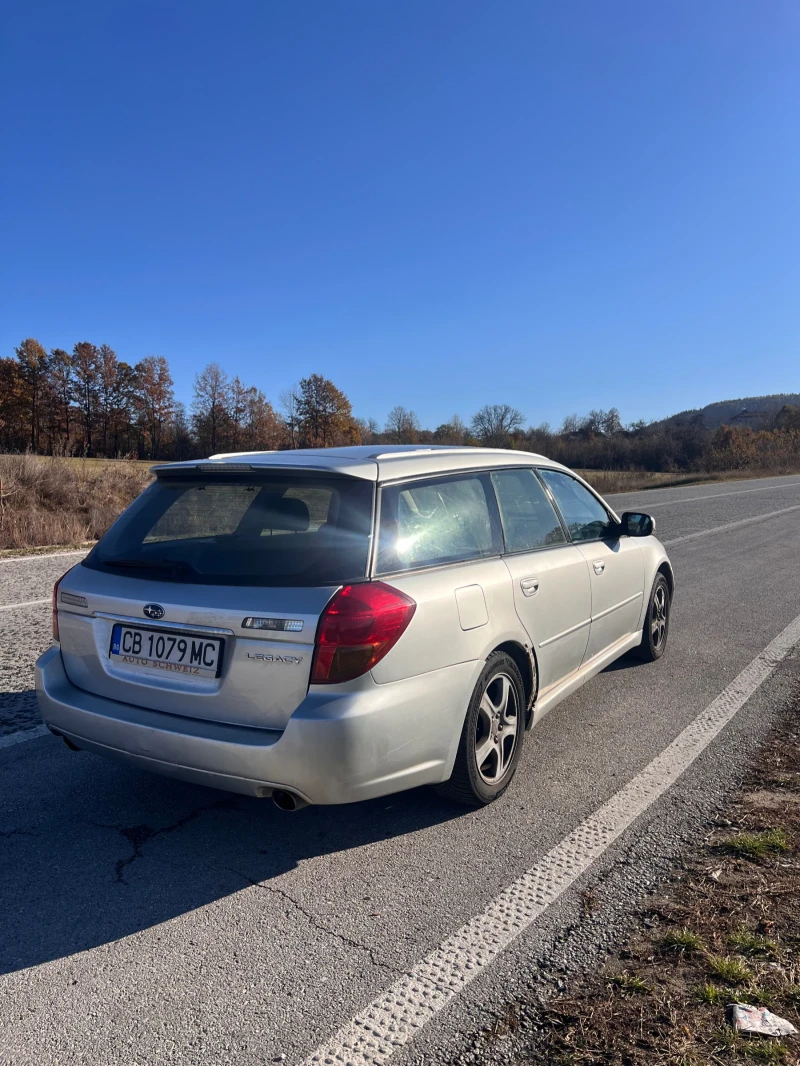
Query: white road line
730,525
23,735
719,495
391,1020
768,483
49,555
27,603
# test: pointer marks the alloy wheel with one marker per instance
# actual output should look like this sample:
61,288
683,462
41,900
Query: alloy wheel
658,621
496,728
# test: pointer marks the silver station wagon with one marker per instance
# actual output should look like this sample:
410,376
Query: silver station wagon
334,625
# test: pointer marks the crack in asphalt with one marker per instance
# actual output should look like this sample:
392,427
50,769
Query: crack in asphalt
316,923
6,833
138,835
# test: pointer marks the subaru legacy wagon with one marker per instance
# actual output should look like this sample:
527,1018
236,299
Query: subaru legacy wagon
333,625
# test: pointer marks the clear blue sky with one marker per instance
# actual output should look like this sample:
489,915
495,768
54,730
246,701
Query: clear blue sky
437,203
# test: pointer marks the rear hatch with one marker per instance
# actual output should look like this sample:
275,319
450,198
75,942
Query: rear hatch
203,599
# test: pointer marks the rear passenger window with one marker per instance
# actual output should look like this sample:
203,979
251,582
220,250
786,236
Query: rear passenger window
529,521
427,523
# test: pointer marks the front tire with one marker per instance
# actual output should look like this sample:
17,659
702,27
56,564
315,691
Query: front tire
656,624
491,740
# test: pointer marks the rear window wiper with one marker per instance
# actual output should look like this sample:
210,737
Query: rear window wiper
149,564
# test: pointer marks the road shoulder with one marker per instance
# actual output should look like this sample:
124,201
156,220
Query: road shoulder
723,926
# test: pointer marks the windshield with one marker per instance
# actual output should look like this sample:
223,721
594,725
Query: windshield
243,530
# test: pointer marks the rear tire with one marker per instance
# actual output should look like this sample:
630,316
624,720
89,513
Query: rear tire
491,739
656,623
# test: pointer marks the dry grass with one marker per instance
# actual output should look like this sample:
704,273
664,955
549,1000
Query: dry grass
610,481
63,502
728,930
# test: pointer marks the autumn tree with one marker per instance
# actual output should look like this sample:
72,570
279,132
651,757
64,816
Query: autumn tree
61,399
14,406
86,371
453,432
33,366
263,429
107,380
788,417
324,413
155,400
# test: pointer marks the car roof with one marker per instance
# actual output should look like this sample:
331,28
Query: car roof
372,462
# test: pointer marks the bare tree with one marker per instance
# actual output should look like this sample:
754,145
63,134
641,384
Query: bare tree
612,423
495,424
368,430
570,425
210,406
402,426
453,432
289,401
238,401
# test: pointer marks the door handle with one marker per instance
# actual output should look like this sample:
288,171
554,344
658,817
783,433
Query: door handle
529,586
599,566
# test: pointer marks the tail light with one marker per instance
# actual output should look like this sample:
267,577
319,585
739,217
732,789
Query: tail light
55,604
357,628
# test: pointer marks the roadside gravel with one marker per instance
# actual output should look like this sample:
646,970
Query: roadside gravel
24,633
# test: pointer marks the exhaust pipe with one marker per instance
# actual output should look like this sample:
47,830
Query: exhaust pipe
67,741
288,801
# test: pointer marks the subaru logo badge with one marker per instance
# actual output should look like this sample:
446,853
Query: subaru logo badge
153,610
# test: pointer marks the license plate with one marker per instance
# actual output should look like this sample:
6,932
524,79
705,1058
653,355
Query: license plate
171,653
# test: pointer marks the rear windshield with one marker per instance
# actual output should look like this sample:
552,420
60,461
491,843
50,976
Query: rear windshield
243,530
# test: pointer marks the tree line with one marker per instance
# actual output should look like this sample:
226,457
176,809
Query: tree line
87,402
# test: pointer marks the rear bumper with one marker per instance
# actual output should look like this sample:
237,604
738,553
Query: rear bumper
336,747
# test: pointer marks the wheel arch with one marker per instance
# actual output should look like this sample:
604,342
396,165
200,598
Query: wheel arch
665,568
525,658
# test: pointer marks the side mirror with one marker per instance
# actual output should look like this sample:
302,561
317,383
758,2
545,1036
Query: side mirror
637,524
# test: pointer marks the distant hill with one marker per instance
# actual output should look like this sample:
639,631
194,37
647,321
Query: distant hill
754,411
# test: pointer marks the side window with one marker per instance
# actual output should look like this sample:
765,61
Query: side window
529,520
426,523
585,516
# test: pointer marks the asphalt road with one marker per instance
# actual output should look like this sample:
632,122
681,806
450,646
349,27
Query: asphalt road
150,921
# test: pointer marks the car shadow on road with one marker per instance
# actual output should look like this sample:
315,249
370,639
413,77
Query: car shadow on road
625,662
93,851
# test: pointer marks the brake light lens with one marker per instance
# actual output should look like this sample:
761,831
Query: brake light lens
357,628
55,604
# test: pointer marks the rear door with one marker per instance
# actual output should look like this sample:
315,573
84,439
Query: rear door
615,564
550,576
203,599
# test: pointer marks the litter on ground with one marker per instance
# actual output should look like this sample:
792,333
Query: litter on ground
748,1019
